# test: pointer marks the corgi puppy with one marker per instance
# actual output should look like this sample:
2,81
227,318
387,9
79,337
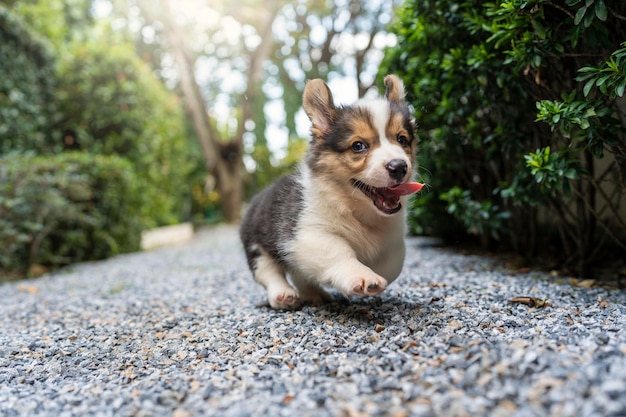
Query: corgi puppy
339,221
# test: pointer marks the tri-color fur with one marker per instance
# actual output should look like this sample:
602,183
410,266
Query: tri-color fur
333,223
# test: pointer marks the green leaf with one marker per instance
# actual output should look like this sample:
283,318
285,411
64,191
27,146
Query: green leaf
587,69
602,80
539,29
579,15
540,176
601,12
588,19
584,124
588,86
590,112
571,173
619,90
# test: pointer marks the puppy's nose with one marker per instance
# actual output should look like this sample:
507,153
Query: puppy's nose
397,169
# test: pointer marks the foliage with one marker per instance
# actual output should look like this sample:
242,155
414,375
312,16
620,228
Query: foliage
112,103
58,21
26,86
518,108
267,169
55,210
484,219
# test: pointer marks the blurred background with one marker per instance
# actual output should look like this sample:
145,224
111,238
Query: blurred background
118,116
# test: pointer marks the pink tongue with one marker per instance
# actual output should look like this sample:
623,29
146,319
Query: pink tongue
405,189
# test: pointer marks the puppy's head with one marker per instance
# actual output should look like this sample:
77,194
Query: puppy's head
363,149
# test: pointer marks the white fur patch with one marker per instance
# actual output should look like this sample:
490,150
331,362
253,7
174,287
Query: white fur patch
376,173
333,233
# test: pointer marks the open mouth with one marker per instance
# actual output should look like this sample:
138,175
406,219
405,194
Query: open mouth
387,199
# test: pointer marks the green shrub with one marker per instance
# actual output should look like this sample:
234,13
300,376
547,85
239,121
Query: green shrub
523,134
114,105
26,87
56,210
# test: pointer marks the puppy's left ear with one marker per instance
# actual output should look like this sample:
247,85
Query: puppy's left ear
394,88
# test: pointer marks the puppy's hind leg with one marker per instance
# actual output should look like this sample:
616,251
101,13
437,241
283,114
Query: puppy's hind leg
272,276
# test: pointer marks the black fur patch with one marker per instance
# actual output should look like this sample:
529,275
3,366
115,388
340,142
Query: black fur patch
271,219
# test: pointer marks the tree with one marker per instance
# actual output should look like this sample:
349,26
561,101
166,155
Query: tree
241,57
318,40
222,155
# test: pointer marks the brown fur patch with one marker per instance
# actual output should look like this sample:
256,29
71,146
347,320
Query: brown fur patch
363,130
394,88
396,127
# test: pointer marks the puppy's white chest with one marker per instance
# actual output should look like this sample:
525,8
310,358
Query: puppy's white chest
390,259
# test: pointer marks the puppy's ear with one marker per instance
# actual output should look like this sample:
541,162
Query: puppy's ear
319,106
394,88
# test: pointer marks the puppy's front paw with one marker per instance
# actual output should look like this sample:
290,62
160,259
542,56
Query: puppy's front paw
287,299
369,285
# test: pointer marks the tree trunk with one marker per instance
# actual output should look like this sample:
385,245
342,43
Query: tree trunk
223,157
229,183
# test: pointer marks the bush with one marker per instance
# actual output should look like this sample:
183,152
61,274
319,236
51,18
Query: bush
112,103
522,129
67,208
26,87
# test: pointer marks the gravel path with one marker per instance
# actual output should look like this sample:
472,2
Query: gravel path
180,332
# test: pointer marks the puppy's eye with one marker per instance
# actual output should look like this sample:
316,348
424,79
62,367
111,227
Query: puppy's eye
403,140
359,147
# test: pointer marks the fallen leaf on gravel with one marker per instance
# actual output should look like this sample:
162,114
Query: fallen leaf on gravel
288,399
582,283
531,301
379,328
30,289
